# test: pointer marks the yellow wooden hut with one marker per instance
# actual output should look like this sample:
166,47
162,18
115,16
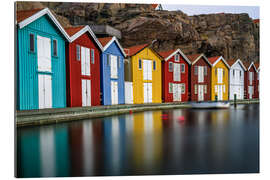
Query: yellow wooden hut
143,69
219,78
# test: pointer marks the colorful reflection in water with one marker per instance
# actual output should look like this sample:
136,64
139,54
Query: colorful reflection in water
180,141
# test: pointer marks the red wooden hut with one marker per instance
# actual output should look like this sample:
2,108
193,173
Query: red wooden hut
200,78
83,67
250,80
257,81
175,70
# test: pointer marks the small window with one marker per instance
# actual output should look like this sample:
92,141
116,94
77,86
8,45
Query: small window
223,72
195,89
170,87
205,89
92,56
240,73
108,59
154,65
233,73
205,70
183,68
183,88
55,52
140,64
78,55
176,58
215,71
196,70
170,66
32,42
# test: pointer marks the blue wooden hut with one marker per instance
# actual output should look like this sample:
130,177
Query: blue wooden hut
112,71
40,62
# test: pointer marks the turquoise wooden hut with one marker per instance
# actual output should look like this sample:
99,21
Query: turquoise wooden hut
40,62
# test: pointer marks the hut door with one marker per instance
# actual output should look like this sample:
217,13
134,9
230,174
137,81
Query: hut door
85,61
176,92
147,87
176,72
128,93
200,74
44,53
114,92
220,92
147,70
86,92
250,91
179,91
114,66
44,91
200,92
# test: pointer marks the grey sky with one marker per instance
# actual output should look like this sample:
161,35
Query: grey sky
253,11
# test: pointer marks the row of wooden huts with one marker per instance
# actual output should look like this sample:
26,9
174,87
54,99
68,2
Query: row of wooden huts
70,67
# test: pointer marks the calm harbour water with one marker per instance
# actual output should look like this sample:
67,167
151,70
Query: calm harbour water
179,141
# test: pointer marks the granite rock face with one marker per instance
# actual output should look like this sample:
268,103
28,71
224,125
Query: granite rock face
229,35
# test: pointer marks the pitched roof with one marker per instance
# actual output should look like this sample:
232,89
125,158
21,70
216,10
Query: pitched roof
249,64
246,64
256,20
193,57
107,41
76,31
231,61
165,54
168,54
216,59
154,5
28,16
104,41
73,30
212,60
135,49
257,65
24,14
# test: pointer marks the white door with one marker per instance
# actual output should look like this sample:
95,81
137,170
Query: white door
174,92
250,91
220,75
44,91
114,92
44,53
220,92
114,67
128,93
85,61
177,92
200,92
200,74
86,92
147,70
147,88
176,72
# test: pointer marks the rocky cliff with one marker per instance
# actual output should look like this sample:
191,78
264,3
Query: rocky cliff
230,35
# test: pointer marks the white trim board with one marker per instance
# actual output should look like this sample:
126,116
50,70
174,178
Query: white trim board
178,51
39,14
117,42
202,55
240,62
221,58
252,64
82,31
